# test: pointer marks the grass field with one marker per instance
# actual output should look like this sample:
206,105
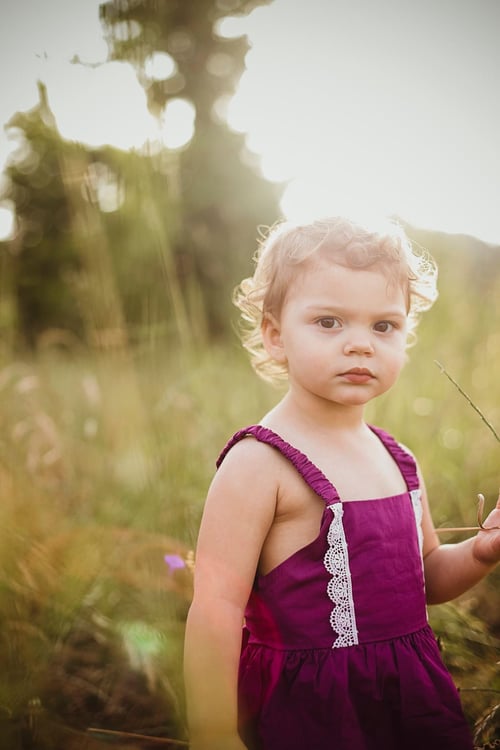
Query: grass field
105,460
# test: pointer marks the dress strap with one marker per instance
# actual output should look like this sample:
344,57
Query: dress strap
309,472
402,456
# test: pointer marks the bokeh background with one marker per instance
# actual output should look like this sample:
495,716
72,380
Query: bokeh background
146,144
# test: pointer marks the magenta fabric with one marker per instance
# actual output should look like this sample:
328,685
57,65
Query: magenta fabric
391,690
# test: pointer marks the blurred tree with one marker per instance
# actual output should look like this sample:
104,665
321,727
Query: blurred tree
107,238
42,252
92,246
222,198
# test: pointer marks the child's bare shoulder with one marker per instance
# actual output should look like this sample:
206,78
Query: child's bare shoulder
248,454
251,463
249,471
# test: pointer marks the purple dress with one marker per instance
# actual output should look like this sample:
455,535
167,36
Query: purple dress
337,650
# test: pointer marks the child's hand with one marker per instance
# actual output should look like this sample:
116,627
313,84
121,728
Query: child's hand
486,547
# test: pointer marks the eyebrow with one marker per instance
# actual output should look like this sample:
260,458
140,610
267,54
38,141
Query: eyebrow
331,309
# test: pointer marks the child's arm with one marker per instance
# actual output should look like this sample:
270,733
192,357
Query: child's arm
452,569
238,514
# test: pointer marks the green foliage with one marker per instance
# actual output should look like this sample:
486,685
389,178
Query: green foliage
222,200
106,458
457,452
91,612
62,269
108,239
208,66
44,251
119,280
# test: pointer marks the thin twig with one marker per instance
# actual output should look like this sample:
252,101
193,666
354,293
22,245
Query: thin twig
480,511
135,736
468,399
480,507
445,529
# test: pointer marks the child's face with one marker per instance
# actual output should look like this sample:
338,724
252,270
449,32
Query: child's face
341,333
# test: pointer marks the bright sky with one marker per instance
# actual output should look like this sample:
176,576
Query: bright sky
386,107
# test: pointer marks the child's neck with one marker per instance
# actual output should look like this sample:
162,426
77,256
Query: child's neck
291,414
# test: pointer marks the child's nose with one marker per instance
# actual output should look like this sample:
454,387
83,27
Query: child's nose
359,342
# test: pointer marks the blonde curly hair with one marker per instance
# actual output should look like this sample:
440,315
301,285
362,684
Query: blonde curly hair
288,247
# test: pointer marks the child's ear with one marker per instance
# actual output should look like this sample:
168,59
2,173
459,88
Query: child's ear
271,338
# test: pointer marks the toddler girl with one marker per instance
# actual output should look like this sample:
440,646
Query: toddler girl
316,533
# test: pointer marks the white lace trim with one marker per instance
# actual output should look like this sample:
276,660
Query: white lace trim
336,561
416,500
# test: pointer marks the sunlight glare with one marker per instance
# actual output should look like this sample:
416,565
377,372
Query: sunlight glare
7,221
229,27
370,127
124,31
103,187
177,123
159,66
340,107
36,34
108,105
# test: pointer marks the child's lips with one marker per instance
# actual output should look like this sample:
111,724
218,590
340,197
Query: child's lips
358,375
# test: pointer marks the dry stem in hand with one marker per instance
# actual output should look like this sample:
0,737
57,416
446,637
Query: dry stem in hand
480,497
481,526
469,400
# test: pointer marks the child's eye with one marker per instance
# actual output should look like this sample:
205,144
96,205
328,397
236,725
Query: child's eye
329,322
384,326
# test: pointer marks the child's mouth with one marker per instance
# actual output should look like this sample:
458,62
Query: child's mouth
357,375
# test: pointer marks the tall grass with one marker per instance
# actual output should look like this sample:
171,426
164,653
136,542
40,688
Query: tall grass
106,455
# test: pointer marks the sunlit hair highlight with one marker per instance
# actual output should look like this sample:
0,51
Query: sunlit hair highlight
288,248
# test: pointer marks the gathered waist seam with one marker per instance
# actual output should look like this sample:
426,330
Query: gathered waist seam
425,629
